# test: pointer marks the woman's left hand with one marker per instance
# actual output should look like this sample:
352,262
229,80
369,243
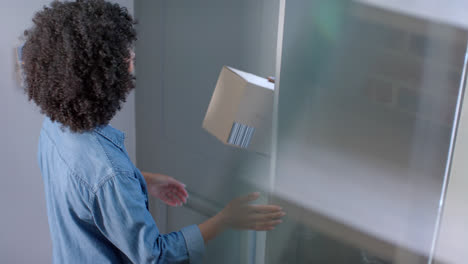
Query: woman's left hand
166,188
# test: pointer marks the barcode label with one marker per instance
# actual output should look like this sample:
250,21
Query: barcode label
241,135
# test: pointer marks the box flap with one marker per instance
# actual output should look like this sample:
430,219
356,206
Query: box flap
254,79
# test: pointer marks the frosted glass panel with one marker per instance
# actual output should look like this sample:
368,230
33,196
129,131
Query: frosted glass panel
366,108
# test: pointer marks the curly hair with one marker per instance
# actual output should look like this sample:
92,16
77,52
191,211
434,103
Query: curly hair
76,62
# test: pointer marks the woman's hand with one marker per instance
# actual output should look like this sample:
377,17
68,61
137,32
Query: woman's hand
239,214
168,189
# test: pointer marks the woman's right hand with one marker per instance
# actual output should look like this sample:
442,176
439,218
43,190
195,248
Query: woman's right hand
240,214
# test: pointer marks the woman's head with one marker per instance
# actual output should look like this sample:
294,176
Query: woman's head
76,61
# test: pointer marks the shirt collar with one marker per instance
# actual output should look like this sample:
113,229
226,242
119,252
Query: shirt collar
113,135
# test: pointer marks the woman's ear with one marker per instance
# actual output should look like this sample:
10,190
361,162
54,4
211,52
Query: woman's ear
131,62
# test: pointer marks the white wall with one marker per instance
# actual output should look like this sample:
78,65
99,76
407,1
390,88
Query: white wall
24,232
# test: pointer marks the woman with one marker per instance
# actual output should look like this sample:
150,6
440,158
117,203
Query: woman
78,65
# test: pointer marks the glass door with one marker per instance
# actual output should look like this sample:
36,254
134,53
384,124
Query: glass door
366,113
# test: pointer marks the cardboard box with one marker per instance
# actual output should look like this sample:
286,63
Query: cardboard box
240,111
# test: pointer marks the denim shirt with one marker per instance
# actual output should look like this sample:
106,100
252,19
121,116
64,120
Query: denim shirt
97,202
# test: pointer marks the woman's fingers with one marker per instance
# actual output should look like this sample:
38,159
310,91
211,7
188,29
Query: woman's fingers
240,214
265,226
178,199
249,198
266,221
181,190
171,199
174,196
181,197
269,216
177,185
178,194
260,208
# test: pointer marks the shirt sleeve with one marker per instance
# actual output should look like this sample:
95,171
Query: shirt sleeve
120,213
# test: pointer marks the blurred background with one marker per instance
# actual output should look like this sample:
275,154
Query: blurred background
366,146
